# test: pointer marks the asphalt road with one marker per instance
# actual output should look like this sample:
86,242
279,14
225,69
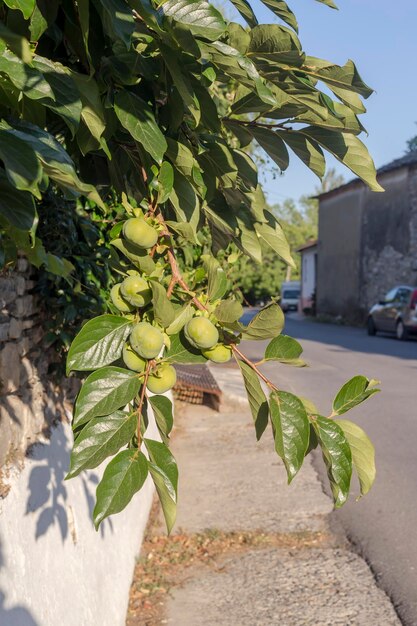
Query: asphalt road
383,525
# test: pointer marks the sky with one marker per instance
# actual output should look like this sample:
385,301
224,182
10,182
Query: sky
380,37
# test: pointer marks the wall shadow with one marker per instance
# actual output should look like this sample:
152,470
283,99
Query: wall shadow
47,488
15,615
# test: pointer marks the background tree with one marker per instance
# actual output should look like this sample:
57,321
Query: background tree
153,108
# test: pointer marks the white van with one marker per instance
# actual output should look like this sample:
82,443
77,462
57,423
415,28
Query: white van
290,295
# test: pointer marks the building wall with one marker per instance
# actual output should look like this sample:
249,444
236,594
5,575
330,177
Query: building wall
389,242
339,249
54,567
308,277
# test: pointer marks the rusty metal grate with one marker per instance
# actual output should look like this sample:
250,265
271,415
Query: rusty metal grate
196,385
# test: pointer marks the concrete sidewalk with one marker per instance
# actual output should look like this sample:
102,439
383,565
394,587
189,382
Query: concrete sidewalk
280,563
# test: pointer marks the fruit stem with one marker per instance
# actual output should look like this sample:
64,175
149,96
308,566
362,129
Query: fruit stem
141,402
253,366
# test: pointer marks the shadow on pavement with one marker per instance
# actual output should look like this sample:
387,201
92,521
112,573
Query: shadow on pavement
355,339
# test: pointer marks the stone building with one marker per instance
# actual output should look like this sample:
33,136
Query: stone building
367,241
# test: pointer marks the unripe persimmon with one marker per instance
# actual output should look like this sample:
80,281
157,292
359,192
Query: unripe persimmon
138,232
201,333
146,340
163,379
218,354
136,291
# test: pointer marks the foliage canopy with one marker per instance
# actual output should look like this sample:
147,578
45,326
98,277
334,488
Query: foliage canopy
158,103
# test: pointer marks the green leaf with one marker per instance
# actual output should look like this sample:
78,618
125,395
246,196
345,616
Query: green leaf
99,343
200,17
337,457
54,159
92,113
140,258
257,399
363,453
164,471
18,45
217,279
273,235
163,310
307,150
349,150
328,3
162,409
228,311
181,157
284,349
20,161
165,182
283,11
291,430
272,143
345,77
122,478
182,317
105,391
355,391
25,78
138,119
181,351
100,438
119,20
25,6
266,324
66,102
272,44
185,201
17,207
245,11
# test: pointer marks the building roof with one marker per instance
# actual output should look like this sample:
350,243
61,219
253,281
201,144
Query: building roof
308,244
408,159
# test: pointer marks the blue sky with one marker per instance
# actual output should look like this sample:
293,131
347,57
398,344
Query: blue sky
380,36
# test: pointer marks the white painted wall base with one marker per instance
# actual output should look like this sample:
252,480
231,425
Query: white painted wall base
55,569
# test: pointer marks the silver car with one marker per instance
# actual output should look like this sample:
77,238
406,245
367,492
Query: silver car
396,313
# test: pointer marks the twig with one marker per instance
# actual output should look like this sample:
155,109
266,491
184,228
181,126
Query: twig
141,402
253,366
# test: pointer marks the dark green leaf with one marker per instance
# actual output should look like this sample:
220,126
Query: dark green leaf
138,119
355,391
165,182
183,316
164,471
99,343
284,349
283,11
337,457
363,453
200,17
25,6
307,150
18,45
272,143
291,430
119,20
266,324
217,279
162,408
228,311
100,438
16,207
349,150
256,397
181,351
246,11
20,161
105,391
163,310
122,478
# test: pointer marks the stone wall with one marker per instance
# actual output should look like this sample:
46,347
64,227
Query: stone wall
389,242
29,401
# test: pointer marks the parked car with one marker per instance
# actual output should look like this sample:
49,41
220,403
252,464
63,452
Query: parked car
396,313
290,295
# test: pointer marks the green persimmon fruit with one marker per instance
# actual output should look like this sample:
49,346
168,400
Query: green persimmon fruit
118,300
132,360
136,291
218,354
201,333
163,379
146,340
138,232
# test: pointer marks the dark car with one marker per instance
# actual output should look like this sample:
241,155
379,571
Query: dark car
396,313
